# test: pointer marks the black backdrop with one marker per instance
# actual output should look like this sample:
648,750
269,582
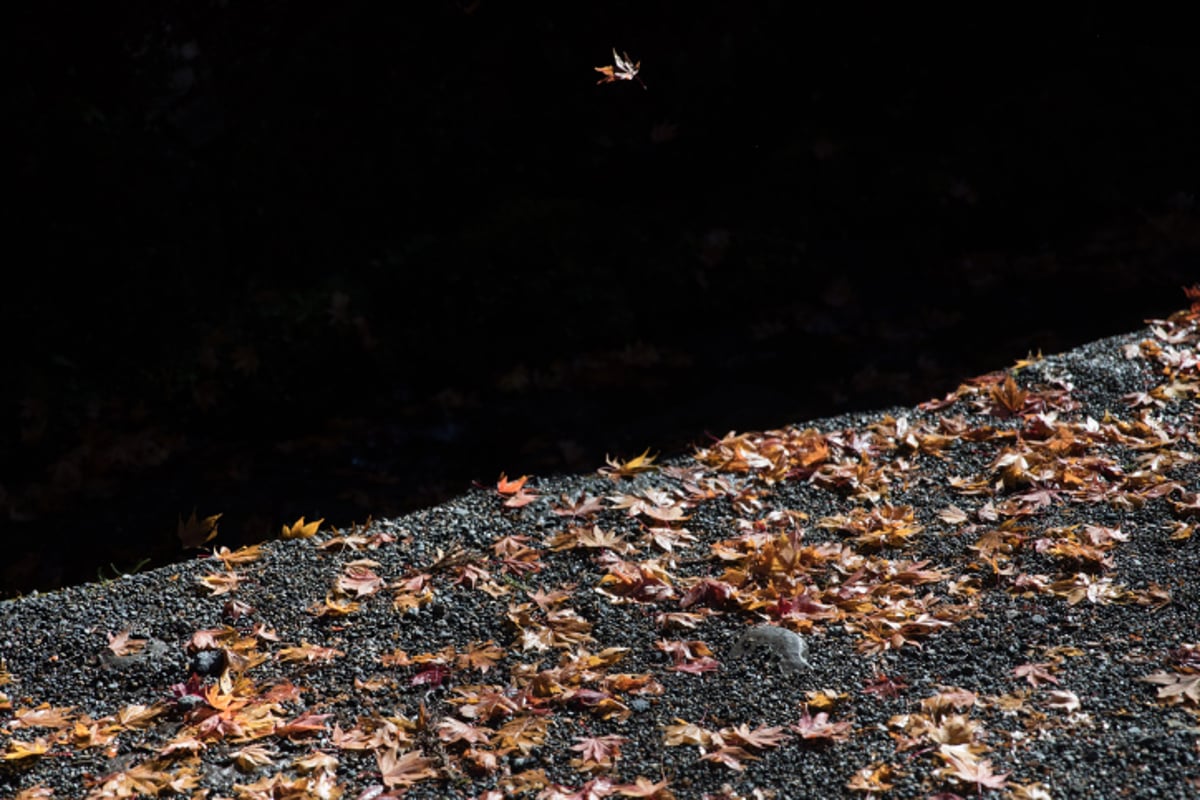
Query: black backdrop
274,260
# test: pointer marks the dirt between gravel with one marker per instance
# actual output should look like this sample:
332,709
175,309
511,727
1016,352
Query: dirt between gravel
999,592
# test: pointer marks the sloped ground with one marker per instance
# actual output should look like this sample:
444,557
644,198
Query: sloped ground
997,591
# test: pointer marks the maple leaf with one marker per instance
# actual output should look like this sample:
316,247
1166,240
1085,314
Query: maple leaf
243,555
301,529
403,769
333,608
138,716
968,770
623,68
731,756
637,464
359,579
885,686
434,676
585,506
1008,398
18,750
220,582
122,645
451,731
308,653
1176,687
253,756
44,716
712,593
508,488
686,733
548,600
517,495
644,787
1035,674
304,725
760,738
523,733
598,751
819,727
480,656
871,779
194,533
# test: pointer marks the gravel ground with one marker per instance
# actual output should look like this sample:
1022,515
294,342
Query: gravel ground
997,590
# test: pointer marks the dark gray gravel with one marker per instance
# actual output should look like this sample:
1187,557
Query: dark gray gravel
1057,701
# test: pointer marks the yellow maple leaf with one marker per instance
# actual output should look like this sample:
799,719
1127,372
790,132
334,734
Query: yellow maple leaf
301,529
18,750
627,469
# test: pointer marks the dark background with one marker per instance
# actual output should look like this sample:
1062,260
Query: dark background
275,260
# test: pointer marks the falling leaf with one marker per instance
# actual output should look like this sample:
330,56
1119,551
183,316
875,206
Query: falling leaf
623,68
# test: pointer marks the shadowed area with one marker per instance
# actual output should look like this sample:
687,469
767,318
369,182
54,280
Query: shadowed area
342,263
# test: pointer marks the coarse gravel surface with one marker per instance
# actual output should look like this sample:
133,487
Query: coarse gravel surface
984,584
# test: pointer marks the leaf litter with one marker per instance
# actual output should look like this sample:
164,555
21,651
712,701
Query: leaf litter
988,595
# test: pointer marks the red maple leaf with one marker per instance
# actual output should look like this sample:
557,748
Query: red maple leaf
434,676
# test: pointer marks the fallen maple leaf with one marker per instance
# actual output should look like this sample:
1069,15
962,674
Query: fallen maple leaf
760,738
451,730
122,645
819,727
968,770
506,487
644,787
686,733
1035,674
220,582
598,751
403,769
306,724
871,779
1176,687
731,756
301,529
627,469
